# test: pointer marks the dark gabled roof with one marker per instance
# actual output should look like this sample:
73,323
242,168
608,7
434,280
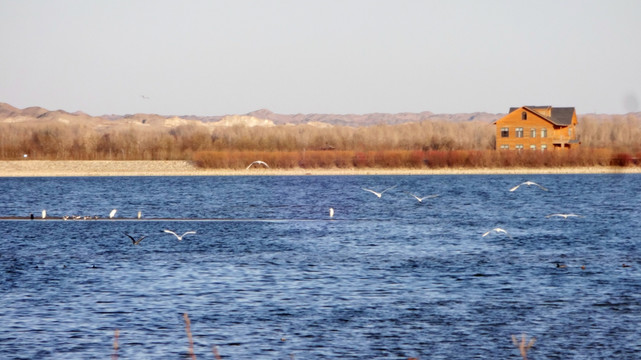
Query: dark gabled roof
561,116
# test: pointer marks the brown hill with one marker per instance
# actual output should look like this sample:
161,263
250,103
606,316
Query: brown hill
11,114
370,119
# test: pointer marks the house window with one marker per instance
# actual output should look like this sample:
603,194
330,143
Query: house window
519,147
532,147
544,147
519,132
505,147
505,132
544,132
533,133
523,115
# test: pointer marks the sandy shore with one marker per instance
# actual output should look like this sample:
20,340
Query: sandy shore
34,168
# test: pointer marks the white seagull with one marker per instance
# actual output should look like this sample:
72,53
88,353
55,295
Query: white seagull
497,230
179,237
379,194
112,213
44,214
565,216
331,212
420,199
528,183
258,162
134,241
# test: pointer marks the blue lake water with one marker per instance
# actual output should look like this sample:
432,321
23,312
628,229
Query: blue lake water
269,275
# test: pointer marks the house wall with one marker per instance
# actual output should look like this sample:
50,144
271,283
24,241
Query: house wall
559,135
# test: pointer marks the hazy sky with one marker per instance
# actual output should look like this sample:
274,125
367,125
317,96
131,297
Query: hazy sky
306,56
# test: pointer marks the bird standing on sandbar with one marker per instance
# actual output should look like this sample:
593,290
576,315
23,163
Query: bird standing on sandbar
179,237
112,213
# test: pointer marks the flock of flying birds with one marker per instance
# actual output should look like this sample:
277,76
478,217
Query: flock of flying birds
496,230
379,194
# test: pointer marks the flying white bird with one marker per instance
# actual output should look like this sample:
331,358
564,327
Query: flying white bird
134,241
179,237
379,194
528,183
331,212
497,230
112,213
420,199
565,216
258,162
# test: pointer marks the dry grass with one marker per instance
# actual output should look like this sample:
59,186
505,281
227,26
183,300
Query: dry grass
58,141
414,159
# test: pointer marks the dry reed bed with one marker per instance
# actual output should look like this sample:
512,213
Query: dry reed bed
54,140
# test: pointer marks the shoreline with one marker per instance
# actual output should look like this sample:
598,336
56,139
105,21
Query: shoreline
86,168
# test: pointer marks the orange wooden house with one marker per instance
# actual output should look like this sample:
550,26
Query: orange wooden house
537,128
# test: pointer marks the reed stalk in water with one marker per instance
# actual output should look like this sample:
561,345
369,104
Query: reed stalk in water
191,340
523,345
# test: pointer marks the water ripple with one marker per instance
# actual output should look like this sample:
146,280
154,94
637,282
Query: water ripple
269,275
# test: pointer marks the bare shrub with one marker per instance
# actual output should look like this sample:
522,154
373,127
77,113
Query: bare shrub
432,144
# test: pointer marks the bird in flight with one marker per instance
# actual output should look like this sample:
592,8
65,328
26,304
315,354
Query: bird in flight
179,237
498,231
134,240
112,213
379,194
420,199
258,162
144,97
528,183
565,216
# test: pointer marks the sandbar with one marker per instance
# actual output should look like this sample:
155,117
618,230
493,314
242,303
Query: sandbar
84,168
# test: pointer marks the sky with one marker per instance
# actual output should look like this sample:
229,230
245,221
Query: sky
216,57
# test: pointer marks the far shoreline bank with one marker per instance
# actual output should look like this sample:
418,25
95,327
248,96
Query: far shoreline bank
88,168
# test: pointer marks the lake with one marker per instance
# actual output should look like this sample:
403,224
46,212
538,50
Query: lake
269,275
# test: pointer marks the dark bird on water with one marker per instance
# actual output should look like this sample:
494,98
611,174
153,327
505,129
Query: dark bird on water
134,240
